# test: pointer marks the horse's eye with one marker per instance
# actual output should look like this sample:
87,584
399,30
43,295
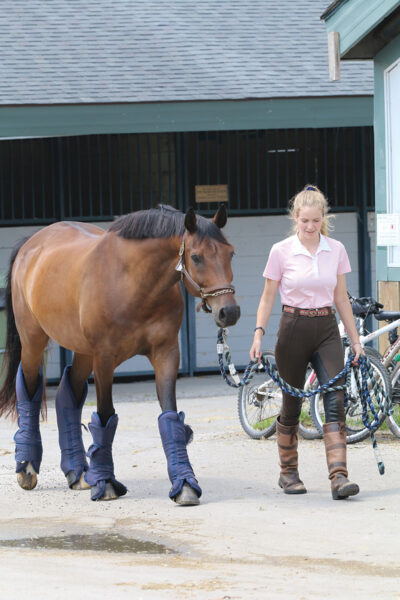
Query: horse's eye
196,259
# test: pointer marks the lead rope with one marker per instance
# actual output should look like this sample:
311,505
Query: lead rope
384,402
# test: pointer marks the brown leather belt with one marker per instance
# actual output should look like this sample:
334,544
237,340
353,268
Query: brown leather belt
309,312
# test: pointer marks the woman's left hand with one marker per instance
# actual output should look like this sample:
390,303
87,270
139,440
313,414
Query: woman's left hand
358,350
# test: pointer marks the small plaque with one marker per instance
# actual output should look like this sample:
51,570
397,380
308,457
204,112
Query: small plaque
211,193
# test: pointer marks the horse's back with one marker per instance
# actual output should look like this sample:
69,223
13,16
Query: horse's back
51,251
49,270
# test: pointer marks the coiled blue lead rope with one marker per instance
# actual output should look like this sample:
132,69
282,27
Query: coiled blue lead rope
384,401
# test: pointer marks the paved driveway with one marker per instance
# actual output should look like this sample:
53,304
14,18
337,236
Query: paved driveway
246,540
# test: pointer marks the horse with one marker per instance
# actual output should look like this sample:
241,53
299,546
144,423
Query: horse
107,296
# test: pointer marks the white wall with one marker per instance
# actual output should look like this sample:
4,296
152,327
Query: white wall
252,238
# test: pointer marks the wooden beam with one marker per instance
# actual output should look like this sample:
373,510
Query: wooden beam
389,296
334,55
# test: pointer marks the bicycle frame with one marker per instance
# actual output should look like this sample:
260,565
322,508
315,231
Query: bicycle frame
390,352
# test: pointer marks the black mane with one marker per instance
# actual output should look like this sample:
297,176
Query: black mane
162,222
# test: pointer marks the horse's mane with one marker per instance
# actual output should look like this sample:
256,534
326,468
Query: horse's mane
162,222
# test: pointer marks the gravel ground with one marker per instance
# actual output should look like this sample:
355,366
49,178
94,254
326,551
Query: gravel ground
246,540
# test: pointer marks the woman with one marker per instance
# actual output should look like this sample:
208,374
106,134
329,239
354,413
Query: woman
309,270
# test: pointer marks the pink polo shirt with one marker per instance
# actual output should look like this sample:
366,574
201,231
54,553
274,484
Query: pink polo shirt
307,281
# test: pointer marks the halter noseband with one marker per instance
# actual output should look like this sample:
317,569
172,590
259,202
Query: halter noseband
204,293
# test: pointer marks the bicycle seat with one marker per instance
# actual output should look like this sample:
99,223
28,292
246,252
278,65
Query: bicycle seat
387,315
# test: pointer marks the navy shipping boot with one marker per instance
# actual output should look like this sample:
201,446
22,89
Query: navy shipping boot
175,436
28,442
69,414
101,470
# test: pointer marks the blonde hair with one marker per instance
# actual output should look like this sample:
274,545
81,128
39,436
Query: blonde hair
311,196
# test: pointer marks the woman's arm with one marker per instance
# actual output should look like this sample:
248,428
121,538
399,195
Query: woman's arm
263,315
343,306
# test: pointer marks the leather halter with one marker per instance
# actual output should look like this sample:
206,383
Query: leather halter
204,293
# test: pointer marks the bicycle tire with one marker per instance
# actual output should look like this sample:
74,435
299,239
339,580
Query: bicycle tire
393,420
356,431
307,427
258,411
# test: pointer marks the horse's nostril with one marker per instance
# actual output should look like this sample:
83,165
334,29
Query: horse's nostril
229,315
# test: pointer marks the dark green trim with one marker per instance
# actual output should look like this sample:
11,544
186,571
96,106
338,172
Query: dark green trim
354,20
286,113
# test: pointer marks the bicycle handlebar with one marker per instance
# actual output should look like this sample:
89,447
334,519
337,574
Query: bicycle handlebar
364,306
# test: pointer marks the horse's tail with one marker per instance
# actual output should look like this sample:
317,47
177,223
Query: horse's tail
12,353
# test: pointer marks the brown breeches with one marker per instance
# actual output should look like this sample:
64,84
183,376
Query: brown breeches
303,340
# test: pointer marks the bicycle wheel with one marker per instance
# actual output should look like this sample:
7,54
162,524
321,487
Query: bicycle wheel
356,431
393,421
307,427
259,403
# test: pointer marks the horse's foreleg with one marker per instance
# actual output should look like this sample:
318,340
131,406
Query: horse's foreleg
175,435
70,398
29,393
103,425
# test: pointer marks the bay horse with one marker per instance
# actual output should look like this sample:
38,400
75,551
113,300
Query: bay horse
107,296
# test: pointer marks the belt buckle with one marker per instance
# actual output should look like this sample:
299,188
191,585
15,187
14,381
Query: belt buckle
312,313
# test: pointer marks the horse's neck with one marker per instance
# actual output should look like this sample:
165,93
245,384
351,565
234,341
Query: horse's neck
152,259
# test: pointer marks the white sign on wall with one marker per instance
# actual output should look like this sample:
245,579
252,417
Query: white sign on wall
392,113
388,229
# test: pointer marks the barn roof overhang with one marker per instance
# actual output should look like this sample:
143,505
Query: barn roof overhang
276,113
364,27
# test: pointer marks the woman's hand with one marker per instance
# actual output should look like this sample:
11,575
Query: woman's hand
255,350
358,350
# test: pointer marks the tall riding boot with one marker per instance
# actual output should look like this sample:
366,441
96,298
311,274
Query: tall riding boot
335,448
289,479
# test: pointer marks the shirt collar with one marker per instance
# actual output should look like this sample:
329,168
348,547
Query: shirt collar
298,248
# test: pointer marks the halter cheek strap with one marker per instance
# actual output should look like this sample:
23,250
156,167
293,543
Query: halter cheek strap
204,293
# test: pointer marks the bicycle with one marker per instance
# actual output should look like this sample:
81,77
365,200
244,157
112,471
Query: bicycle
391,356
387,366
259,402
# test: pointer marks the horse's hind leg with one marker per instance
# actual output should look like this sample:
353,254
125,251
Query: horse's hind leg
103,426
175,435
70,398
29,392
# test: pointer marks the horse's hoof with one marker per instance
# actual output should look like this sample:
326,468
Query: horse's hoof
27,479
187,496
109,493
81,484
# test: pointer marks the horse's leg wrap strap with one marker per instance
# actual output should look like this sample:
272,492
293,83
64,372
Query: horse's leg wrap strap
28,442
175,436
69,414
101,469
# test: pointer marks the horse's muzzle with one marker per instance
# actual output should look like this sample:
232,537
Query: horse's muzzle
227,315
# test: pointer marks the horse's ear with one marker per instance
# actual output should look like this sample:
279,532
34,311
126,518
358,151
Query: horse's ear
190,220
221,217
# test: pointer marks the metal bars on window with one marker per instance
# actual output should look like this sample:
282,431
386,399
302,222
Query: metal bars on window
84,178
264,169
97,177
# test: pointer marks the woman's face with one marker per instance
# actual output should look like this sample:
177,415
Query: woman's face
309,223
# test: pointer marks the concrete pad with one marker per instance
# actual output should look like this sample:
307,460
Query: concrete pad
246,540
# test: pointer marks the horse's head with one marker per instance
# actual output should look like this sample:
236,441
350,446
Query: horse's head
206,266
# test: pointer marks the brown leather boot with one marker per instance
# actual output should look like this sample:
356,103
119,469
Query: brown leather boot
289,479
335,448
